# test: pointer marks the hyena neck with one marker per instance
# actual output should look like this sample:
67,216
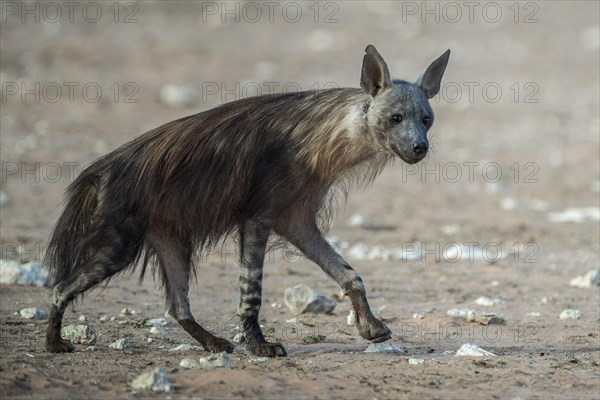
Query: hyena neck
340,143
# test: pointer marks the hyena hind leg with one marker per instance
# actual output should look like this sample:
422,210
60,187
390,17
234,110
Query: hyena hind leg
110,245
254,235
175,262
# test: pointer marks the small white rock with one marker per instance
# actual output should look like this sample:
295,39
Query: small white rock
570,314
358,251
303,299
129,311
84,334
239,337
33,313
120,344
31,273
509,204
472,350
158,331
157,321
590,279
212,361
534,314
189,363
487,301
576,215
458,312
104,318
82,318
416,361
186,347
259,360
178,96
384,347
485,318
155,380
418,316
450,230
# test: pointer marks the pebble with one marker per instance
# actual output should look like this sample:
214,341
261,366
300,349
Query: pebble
358,251
357,220
570,314
84,334
576,215
129,311
590,279
416,361
82,318
212,361
155,380
120,344
186,347
450,230
239,337
484,318
158,331
178,96
534,314
472,350
458,312
384,347
509,204
33,313
158,321
29,274
487,301
302,299
418,316
259,360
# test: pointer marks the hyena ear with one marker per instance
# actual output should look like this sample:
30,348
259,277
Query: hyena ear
375,75
431,80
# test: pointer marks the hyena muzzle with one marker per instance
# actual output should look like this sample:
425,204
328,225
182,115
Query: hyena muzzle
253,168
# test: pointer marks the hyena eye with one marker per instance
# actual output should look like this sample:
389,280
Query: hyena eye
426,120
397,118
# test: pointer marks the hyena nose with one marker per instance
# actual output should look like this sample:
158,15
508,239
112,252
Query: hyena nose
420,147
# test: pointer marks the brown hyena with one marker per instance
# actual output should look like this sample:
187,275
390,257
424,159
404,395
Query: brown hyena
252,167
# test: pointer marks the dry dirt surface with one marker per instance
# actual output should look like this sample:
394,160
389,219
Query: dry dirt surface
516,144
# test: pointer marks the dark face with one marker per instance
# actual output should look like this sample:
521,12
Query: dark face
405,116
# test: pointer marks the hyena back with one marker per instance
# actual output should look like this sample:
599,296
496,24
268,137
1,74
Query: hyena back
251,167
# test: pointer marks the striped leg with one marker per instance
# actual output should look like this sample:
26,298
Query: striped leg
308,239
254,237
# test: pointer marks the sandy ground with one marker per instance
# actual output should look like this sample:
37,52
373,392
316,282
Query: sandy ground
521,98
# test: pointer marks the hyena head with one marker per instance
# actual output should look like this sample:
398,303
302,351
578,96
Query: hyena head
399,113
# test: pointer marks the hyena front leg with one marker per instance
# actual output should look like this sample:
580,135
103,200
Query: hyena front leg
254,237
175,263
308,239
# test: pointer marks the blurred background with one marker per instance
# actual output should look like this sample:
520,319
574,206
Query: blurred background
520,92
515,169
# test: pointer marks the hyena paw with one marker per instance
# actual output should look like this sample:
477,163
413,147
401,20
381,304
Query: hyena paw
266,349
218,345
375,331
59,345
